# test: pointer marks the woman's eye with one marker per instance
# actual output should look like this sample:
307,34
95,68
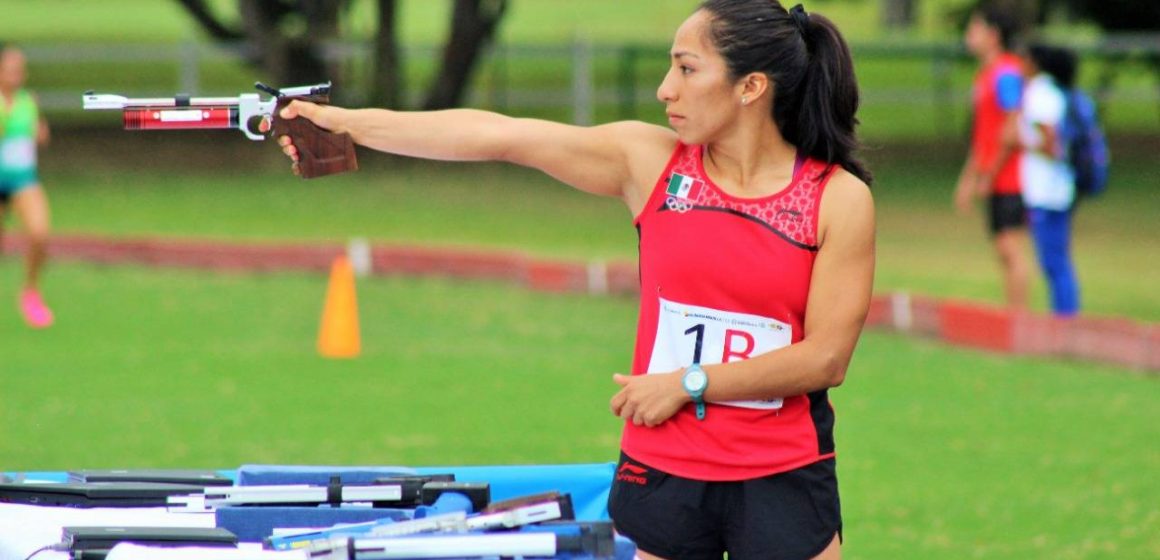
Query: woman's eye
686,70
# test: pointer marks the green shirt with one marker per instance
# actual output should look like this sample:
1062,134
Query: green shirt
19,124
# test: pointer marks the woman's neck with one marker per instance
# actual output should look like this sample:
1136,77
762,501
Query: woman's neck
751,160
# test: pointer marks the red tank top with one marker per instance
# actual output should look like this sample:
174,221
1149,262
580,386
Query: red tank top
725,279
989,121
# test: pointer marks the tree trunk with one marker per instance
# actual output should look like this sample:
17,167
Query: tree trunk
309,64
387,79
472,26
204,16
290,61
899,14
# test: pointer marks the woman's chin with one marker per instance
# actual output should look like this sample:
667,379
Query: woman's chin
688,138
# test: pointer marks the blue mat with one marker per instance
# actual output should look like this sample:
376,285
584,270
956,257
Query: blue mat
266,475
587,484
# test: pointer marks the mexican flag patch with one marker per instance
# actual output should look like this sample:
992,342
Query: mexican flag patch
684,187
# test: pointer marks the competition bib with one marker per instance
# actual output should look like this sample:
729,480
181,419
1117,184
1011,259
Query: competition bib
689,333
17,153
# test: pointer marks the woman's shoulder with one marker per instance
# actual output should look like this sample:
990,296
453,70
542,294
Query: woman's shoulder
644,143
643,135
846,204
846,193
647,150
845,184
834,177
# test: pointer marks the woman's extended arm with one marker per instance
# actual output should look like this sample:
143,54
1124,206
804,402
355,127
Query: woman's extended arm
605,160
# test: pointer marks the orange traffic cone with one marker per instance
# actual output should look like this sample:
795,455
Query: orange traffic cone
338,336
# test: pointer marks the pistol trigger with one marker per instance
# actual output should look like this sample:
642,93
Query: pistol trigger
256,126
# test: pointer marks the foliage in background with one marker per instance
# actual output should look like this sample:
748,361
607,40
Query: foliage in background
288,40
284,38
915,82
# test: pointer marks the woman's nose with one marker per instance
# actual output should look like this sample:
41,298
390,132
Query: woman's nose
666,93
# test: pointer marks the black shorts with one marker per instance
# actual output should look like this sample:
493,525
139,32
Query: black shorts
786,516
1007,212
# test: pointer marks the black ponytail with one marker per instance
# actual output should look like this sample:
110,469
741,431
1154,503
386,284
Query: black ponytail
829,100
808,61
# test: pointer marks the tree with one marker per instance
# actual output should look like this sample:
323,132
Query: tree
1109,15
387,83
473,24
287,39
1114,15
1123,16
284,37
899,14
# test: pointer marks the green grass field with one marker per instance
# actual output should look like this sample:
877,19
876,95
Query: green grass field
201,369
944,453
924,246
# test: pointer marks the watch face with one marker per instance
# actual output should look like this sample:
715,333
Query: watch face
695,381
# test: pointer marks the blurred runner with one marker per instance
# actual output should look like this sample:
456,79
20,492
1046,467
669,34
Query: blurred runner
22,130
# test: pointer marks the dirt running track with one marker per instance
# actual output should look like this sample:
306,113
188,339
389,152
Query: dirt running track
1118,341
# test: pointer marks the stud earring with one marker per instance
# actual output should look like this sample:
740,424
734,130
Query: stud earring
744,100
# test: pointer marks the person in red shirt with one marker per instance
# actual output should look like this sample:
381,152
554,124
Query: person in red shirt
992,167
756,229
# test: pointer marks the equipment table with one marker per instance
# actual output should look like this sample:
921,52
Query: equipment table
26,528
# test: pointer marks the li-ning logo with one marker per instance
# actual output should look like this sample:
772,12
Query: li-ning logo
632,474
790,215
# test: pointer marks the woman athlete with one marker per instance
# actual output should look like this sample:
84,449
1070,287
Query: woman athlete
756,230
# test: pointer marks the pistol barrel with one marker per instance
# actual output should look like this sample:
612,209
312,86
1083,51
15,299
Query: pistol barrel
99,101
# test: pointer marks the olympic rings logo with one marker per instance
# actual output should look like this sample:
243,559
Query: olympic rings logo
677,205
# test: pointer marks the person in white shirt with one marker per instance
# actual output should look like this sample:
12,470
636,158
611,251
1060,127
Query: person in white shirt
1047,178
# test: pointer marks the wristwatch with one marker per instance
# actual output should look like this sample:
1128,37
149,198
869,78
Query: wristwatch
695,381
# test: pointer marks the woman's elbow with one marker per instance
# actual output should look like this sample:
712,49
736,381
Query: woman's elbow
833,368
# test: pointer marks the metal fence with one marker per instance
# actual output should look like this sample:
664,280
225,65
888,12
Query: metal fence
580,81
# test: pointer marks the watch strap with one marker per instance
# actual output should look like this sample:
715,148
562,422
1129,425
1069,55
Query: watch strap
698,397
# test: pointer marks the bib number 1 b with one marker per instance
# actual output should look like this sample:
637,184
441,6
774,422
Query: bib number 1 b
689,334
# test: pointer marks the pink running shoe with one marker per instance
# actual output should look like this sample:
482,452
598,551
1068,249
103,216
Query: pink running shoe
36,313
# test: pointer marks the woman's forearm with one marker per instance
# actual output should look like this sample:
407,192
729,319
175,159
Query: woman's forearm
454,134
797,369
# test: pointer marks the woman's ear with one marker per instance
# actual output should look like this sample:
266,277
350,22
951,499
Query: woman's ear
753,88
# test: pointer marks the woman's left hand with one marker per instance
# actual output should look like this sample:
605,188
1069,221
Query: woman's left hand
648,400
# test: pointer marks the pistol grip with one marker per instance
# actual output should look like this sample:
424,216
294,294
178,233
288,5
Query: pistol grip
320,151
